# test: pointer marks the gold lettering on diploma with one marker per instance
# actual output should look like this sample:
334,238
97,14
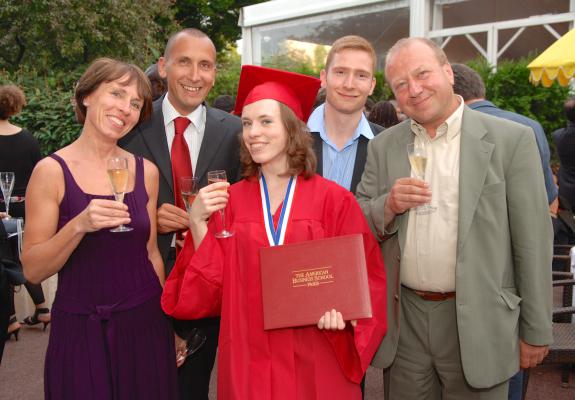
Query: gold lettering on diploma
312,277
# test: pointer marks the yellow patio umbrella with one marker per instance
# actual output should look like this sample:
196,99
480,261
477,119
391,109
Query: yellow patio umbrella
557,62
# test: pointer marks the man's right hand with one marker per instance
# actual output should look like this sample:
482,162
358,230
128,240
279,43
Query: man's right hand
407,193
171,218
181,347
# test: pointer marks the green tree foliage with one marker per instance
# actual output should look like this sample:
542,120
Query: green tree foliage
49,113
228,75
218,19
61,35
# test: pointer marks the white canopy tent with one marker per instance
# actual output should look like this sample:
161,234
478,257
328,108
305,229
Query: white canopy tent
467,29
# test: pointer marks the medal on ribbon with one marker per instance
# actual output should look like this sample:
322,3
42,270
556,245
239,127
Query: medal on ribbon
276,236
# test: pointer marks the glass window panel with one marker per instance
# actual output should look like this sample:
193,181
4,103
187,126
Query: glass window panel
291,45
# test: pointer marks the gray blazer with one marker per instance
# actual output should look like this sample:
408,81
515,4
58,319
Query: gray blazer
219,150
504,245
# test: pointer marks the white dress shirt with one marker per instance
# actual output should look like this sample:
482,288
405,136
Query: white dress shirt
194,133
430,254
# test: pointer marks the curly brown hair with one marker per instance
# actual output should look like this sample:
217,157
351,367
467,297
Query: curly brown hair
12,100
108,70
301,158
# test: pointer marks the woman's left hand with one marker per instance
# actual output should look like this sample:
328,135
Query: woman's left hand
333,321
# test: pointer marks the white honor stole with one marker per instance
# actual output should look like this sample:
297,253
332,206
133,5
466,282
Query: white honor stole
276,236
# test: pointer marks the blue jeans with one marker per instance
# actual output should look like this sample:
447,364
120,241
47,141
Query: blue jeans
516,386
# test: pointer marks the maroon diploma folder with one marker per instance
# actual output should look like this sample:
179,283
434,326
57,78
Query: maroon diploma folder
301,281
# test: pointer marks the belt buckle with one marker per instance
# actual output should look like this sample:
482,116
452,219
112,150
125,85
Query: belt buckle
434,296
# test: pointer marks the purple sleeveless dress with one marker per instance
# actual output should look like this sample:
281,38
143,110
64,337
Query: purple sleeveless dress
109,338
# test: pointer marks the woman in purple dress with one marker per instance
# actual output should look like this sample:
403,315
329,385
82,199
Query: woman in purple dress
109,338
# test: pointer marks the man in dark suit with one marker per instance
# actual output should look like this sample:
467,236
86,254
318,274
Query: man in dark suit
564,139
189,65
339,127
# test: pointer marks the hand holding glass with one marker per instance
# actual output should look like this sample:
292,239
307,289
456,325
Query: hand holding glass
7,184
119,174
418,159
213,177
194,342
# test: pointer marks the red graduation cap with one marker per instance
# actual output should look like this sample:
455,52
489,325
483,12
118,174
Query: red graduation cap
296,91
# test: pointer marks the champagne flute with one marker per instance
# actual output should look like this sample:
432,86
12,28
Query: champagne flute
7,184
194,342
418,159
189,188
213,177
118,174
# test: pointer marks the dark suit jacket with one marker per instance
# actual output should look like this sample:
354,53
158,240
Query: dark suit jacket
219,150
360,156
565,143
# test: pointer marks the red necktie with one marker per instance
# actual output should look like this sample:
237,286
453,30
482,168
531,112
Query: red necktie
181,162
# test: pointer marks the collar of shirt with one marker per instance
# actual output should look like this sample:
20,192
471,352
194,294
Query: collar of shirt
450,128
481,103
316,123
198,116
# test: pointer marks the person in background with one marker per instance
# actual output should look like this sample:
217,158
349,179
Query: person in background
19,153
470,284
185,137
6,288
159,84
224,102
383,113
564,139
469,85
319,98
109,337
339,127
400,115
369,103
214,276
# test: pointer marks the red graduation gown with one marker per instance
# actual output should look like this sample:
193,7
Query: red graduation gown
222,277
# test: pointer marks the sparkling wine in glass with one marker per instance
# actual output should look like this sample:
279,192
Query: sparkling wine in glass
189,187
119,174
7,185
418,159
213,177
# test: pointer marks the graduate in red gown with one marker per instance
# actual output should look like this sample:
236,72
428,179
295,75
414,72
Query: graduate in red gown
281,200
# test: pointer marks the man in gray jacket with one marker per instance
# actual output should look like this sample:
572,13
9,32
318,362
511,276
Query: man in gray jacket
469,295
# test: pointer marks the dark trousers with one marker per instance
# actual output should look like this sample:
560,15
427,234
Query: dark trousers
36,293
194,375
5,295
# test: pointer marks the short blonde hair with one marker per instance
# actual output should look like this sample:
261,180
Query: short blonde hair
352,42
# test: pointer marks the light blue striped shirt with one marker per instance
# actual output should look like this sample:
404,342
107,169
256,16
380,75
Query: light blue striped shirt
338,163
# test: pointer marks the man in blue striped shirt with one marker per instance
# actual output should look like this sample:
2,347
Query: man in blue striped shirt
339,127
